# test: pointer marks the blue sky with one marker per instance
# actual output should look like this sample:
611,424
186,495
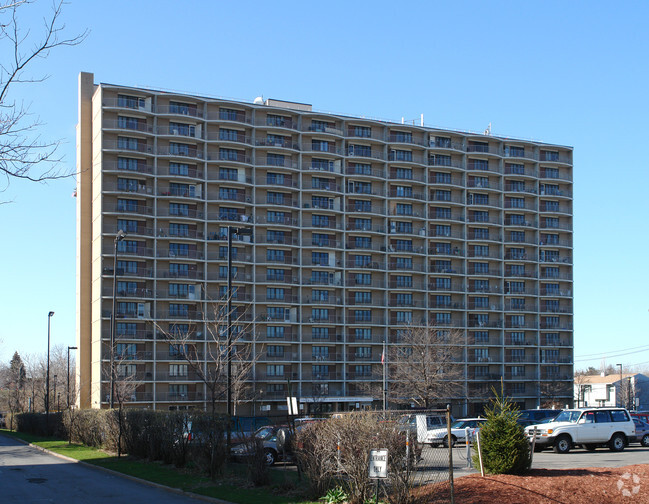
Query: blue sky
572,73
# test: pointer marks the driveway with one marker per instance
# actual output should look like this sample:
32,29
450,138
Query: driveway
28,475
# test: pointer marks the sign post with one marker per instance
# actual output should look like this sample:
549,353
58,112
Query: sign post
378,467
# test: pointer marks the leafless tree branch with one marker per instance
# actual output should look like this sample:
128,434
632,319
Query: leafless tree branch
21,148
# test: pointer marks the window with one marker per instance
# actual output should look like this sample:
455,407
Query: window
320,258
480,216
275,274
362,297
275,255
180,209
517,320
516,202
481,302
320,295
179,169
275,198
320,371
322,146
481,250
126,329
480,233
275,216
180,290
277,120
478,199
404,173
278,140
129,164
275,331
361,168
323,183
404,209
178,370
275,370
226,114
401,155
517,269
478,164
551,222
322,202
275,159
362,315
404,245
132,102
363,278
356,187
514,151
184,129
481,354
127,267
443,318
127,205
404,263
363,333
363,370
275,178
514,168
320,333
321,240
401,136
481,267
404,299
178,310
517,236
275,293
359,150
443,283
363,353
275,236
361,261
441,178
360,131
127,225
404,192
275,351
321,277
442,230
514,287
362,224
320,352
550,172
405,317
362,206
481,336
517,303
320,220
402,227
362,242
320,313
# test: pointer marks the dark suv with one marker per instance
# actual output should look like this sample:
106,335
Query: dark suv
535,416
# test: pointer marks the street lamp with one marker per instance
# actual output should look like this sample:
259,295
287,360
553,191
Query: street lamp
621,396
118,238
47,377
55,387
238,231
68,388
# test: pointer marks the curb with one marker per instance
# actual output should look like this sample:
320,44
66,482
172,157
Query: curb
153,484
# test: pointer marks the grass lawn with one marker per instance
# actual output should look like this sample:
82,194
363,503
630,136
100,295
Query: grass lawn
279,492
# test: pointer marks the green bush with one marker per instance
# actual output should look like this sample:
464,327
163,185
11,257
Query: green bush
505,449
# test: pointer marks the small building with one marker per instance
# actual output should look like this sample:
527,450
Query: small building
629,390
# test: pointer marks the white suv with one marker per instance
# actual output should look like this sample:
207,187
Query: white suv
589,427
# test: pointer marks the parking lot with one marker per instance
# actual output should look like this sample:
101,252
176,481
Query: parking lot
576,458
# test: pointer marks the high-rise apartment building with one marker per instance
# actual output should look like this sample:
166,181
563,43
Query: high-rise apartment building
350,229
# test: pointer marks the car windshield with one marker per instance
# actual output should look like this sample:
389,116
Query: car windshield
568,416
462,424
264,432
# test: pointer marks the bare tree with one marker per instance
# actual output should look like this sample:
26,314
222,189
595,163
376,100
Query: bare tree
424,367
555,394
21,149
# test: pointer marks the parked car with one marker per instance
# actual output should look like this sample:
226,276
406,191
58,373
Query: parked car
437,437
641,432
267,437
535,416
589,427
641,415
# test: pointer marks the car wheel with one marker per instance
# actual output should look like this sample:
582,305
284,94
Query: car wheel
645,440
270,456
562,444
617,443
453,441
590,447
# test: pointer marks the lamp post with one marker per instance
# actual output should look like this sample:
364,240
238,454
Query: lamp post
621,396
47,377
68,387
118,238
55,387
238,231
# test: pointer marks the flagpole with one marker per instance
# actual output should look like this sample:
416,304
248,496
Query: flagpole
385,374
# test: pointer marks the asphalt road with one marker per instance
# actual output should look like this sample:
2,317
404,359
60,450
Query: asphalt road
28,475
576,458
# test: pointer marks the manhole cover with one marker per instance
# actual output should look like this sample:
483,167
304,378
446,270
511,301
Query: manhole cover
37,480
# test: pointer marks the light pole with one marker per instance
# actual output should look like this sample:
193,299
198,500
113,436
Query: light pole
68,388
621,396
55,387
47,377
239,231
118,238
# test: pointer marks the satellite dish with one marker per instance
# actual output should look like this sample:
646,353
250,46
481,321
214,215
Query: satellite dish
259,100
